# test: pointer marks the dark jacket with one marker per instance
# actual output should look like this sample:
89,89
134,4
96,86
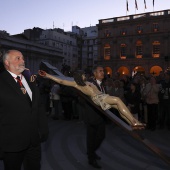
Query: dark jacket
133,99
94,81
92,115
164,93
21,125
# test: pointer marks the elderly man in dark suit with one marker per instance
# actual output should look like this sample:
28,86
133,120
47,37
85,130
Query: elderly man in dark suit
23,124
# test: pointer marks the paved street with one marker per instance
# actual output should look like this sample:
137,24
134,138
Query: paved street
66,149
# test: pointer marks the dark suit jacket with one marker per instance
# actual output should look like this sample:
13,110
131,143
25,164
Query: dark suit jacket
94,81
21,125
91,114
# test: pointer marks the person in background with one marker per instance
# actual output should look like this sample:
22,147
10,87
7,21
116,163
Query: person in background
125,82
109,86
165,102
26,73
143,107
66,97
55,96
45,89
133,98
151,95
118,90
23,124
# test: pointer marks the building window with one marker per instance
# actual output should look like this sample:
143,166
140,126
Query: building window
155,27
123,31
123,51
107,33
139,51
107,52
139,29
156,49
90,42
46,43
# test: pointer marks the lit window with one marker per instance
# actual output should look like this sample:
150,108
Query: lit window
139,29
123,31
155,27
156,49
107,33
107,52
139,51
123,51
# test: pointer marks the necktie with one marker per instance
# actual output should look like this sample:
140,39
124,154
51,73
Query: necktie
19,83
102,88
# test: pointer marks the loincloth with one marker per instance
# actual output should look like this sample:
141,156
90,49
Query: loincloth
99,100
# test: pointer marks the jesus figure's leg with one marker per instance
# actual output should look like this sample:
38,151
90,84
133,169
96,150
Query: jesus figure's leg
117,103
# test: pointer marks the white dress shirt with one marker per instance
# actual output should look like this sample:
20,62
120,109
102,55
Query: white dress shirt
24,82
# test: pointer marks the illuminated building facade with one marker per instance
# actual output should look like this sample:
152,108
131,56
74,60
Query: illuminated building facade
135,43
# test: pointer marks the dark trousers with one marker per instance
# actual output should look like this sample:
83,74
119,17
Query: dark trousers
94,138
30,158
152,115
57,110
165,113
67,107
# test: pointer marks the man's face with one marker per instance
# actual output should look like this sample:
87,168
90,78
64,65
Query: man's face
99,73
15,62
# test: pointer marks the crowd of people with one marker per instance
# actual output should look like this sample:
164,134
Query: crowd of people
146,97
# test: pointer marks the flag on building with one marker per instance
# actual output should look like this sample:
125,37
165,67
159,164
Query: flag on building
127,6
136,5
153,2
145,4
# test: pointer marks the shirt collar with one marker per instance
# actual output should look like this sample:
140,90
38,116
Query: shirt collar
14,75
98,82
